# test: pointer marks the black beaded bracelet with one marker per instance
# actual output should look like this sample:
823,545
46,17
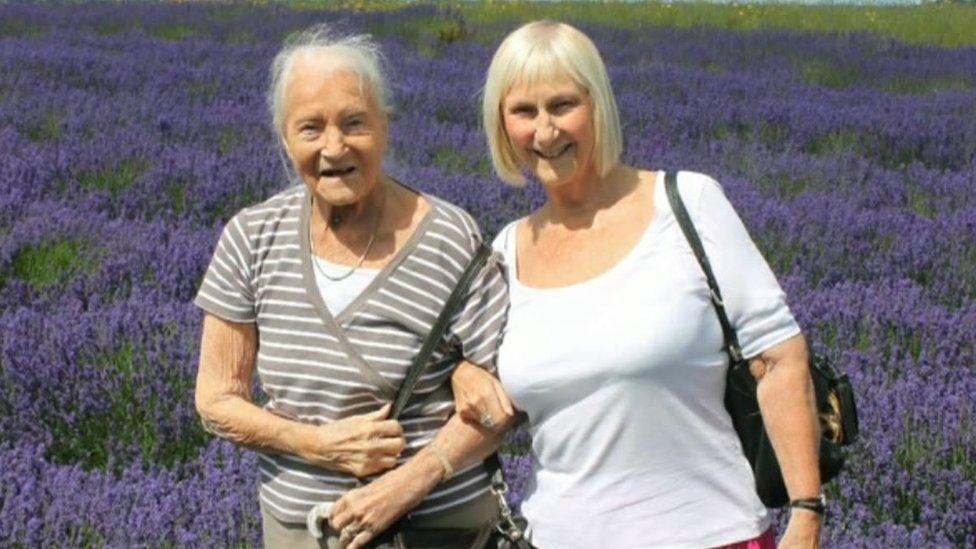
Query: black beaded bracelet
816,504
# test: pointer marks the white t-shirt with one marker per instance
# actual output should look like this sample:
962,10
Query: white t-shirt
622,377
338,294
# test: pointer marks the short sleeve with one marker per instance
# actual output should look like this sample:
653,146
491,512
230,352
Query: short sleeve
226,290
755,302
479,324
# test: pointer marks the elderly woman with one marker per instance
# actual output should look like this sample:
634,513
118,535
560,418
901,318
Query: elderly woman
329,288
612,346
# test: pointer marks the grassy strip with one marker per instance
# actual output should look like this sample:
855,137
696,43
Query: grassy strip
948,25
53,262
128,418
942,24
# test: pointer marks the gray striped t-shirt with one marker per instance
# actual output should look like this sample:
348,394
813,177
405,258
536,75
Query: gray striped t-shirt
317,367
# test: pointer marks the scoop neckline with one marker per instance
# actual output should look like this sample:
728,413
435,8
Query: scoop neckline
652,227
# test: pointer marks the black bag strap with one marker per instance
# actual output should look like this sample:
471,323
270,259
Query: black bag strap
509,524
437,330
688,228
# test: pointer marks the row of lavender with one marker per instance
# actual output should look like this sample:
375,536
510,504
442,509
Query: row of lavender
128,138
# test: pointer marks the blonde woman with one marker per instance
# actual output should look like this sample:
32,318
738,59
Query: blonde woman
612,347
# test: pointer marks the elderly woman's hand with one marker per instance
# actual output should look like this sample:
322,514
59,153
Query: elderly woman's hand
363,513
480,398
359,445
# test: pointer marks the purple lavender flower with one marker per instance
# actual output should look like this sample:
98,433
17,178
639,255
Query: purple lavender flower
127,139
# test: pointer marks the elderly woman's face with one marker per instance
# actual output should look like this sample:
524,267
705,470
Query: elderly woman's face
550,126
334,132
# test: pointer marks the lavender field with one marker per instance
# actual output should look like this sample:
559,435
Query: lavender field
129,136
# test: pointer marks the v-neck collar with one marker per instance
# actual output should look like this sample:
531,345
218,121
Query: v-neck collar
334,323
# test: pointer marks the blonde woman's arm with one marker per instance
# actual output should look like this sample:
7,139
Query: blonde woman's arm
788,406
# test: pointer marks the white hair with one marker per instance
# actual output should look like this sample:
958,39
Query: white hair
356,53
538,52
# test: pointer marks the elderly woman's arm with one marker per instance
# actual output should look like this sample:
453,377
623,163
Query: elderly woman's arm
379,504
789,411
360,445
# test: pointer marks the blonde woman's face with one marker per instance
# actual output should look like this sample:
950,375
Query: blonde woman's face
334,133
550,127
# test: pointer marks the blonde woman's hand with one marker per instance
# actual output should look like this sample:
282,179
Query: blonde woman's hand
479,398
802,531
359,445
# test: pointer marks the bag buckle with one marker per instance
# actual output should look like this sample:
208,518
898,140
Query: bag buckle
506,525
736,354
715,298
831,424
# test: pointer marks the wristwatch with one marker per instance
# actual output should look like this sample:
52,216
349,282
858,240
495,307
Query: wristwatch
816,504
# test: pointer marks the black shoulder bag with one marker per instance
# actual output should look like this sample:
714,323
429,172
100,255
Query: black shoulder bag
508,530
834,396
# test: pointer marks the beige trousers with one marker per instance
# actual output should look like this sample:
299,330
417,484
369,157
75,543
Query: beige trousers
287,535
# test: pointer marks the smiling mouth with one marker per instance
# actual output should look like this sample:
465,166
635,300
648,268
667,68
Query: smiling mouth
337,172
553,155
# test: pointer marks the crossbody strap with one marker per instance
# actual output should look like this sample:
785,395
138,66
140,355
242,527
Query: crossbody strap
437,330
509,524
688,228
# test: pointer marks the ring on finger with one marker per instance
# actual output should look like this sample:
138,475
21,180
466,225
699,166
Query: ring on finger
368,533
349,532
487,421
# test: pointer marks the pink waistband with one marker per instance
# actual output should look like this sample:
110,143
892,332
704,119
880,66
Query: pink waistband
767,540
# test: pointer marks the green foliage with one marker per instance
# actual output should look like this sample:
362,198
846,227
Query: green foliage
840,141
228,140
239,37
967,271
53,262
863,342
926,85
430,34
116,179
176,193
18,28
738,129
447,158
90,536
961,452
772,135
779,253
174,32
829,75
344,5
111,28
127,418
451,30
787,186
912,449
451,160
49,129
920,202
202,91
247,196
942,24
921,447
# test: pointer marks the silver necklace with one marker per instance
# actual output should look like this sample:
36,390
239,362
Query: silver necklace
362,258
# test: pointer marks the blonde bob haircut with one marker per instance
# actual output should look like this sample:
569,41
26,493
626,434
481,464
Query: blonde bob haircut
539,52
